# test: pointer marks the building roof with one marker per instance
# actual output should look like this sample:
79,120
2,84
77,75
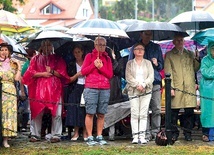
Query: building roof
31,10
200,4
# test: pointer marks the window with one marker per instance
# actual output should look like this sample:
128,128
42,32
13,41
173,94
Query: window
51,9
85,13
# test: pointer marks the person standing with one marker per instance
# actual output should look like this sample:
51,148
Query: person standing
10,71
24,107
182,65
139,76
45,78
153,53
75,116
206,90
97,67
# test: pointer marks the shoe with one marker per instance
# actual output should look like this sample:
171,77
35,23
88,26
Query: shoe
111,138
55,140
85,139
101,140
143,141
74,138
135,141
91,141
174,138
34,139
205,138
188,138
5,144
24,130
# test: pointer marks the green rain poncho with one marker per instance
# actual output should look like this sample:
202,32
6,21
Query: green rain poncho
207,89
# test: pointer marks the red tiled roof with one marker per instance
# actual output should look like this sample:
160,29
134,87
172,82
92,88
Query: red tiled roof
69,7
67,23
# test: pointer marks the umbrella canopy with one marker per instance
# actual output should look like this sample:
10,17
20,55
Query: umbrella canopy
57,39
189,44
56,28
98,27
127,22
203,37
17,48
13,23
194,20
161,30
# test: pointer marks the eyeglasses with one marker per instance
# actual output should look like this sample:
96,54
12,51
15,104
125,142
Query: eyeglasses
101,45
139,49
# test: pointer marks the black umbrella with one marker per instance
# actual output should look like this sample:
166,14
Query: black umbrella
57,39
161,30
194,20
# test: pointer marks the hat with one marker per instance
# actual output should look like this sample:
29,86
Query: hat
10,47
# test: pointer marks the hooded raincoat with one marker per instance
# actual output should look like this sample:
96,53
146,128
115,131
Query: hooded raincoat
206,89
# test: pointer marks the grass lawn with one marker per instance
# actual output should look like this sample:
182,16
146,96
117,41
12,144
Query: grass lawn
114,148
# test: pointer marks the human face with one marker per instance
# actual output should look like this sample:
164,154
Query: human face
4,52
146,37
77,53
100,45
139,51
212,51
179,42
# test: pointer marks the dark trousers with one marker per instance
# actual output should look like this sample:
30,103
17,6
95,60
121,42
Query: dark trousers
188,118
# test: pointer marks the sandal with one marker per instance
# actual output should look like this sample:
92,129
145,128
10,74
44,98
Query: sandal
205,138
34,139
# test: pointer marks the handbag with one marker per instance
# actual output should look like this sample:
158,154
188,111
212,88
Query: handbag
82,101
161,138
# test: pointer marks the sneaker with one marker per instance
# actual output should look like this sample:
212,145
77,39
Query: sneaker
101,140
135,141
143,141
111,138
91,141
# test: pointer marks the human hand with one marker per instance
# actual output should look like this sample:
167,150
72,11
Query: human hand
154,61
113,54
140,88
46,74
48,68
17,62
172,92
98,63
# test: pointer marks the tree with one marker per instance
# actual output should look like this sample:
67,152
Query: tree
8,5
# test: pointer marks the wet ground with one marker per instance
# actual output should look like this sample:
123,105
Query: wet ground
22,140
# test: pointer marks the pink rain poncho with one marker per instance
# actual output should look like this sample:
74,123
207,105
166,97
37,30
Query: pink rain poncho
45,91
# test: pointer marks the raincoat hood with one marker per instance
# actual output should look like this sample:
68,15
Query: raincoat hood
210,45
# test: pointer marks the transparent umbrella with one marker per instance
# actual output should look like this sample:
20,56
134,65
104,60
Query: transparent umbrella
194,20
17,48
98,27
11,22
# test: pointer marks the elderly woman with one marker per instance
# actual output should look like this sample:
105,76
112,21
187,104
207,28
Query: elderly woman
10,70
139,77
206,90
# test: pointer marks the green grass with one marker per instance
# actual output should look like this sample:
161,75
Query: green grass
54,149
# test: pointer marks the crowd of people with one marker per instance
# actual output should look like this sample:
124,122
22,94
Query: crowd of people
95,77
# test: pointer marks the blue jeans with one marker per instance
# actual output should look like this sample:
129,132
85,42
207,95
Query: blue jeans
96,100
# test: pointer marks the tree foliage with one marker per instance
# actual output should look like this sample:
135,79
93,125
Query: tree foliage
8,5
163,11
